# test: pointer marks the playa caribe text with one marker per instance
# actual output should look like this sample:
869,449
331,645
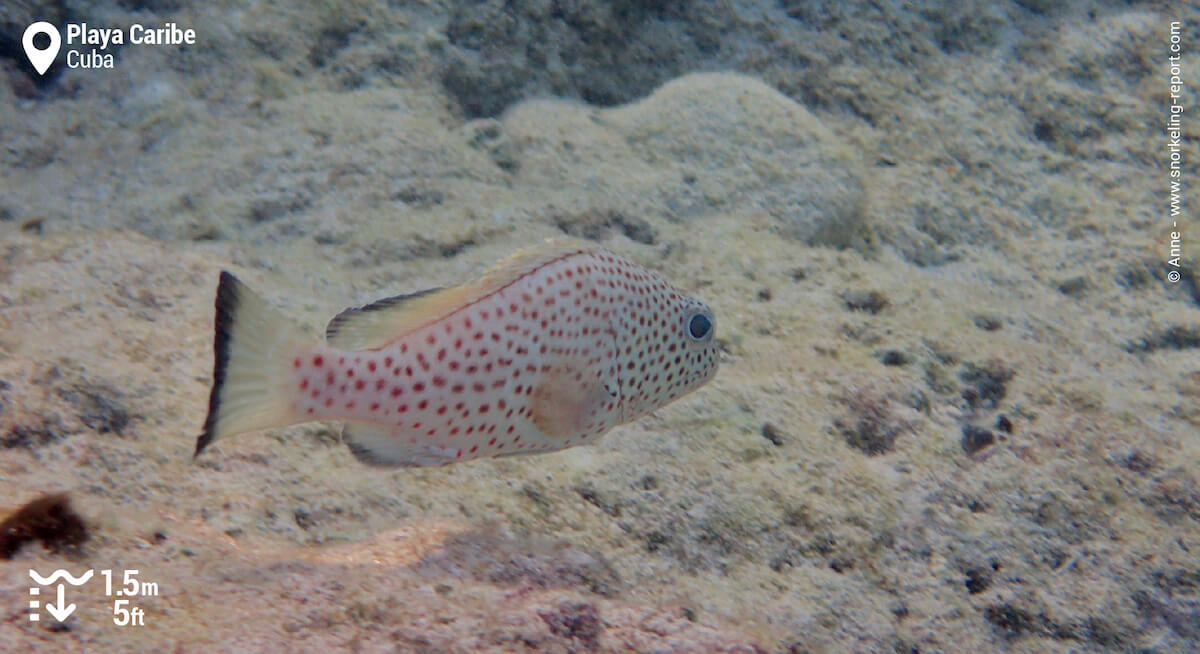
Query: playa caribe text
103,37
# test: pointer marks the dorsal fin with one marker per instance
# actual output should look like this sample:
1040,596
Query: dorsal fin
374,325
358,328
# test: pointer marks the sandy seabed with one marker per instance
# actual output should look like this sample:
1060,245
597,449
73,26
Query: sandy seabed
957,411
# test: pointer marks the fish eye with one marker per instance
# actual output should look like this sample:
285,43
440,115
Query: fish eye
699,326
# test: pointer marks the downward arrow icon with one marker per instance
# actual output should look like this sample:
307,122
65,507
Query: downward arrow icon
62,610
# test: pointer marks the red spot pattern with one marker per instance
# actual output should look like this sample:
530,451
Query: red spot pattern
590,314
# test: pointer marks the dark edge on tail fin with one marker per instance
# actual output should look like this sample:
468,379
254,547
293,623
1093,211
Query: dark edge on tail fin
226,305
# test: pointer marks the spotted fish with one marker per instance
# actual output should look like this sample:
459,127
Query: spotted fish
552,348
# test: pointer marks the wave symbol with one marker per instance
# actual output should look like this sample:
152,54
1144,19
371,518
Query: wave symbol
61,574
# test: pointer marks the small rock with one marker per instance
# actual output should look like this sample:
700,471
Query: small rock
772,433
1176,337
49,519
989,383
33,435
976,438
987,323
596,224
1010,621
1074,286
419,197
1004,424
870,301
575,620
304,519
99,407
978,580
841,564
894,358
872,426
1139,462
33,225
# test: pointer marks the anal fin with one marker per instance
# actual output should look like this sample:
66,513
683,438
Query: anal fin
380,446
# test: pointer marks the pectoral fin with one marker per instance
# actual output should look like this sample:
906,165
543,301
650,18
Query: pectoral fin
571,401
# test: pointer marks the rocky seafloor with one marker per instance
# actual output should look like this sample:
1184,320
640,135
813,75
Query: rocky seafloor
959,399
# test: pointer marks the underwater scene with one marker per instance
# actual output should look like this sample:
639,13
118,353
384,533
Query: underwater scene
569,326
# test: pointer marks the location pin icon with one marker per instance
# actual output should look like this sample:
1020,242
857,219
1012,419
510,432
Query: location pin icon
41,59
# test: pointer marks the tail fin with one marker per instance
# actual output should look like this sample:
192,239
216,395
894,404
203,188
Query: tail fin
255,347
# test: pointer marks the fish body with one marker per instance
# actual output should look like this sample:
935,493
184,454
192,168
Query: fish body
550,349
